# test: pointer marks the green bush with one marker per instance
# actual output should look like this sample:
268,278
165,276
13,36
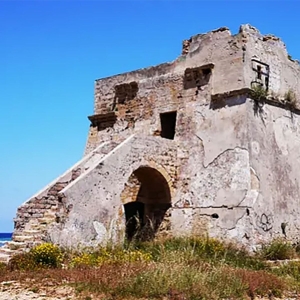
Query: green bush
258,93
23,262
47,255
278,249
291,100
3,268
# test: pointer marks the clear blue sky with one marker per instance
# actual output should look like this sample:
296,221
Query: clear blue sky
52,51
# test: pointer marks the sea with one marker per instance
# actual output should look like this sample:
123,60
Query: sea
5,237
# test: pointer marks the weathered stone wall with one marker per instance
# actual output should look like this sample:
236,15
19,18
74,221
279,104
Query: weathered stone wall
232,59
214,173
213,186
274,137
131,189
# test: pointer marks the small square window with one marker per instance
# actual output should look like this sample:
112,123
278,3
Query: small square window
168,125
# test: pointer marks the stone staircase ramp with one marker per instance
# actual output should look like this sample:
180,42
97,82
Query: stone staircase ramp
83,165
34,215
93,163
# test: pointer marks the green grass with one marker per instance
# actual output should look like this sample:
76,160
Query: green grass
202,249
193,282
290,269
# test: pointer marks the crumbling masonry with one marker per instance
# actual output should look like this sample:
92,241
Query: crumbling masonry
206,144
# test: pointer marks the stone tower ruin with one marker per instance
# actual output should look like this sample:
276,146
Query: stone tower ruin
206,144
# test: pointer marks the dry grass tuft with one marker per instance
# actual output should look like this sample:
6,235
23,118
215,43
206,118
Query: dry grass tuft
261,283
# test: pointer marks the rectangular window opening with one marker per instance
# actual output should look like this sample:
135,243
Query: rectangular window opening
168,125
259,71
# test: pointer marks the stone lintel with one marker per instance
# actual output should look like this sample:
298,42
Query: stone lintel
203,67
222,96
102,118
218,100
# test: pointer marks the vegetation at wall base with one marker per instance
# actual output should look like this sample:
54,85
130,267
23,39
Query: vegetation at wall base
278,249
175,268
42,256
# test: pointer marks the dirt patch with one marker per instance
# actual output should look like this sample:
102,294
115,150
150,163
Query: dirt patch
12,290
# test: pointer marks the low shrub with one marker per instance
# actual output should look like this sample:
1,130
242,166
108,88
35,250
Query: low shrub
258,93
261,283
241,258
47,255
290,97
83,260
180,281
106,256
176,268
201,246
277,249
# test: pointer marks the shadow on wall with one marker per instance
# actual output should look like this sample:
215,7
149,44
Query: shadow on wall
147,197
197,77
217,103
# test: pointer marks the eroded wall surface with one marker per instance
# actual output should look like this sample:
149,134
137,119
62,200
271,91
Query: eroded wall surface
214,182
274,136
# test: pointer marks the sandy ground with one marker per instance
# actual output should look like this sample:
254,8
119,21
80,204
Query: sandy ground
11,290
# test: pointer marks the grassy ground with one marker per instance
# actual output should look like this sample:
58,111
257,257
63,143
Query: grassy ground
177,268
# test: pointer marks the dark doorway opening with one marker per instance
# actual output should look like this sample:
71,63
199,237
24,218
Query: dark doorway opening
168,125
149,199
134,213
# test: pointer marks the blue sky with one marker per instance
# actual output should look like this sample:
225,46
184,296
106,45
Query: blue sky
52,51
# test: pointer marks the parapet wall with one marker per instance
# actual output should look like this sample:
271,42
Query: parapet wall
270,54
217,63
209,51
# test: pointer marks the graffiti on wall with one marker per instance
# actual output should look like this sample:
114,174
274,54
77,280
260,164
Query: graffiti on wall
265,222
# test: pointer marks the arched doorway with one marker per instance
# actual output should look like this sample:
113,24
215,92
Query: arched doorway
147,198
